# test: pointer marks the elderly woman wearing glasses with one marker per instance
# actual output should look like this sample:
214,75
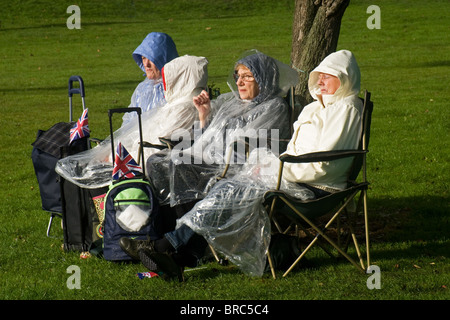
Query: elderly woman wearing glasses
254,111
248,89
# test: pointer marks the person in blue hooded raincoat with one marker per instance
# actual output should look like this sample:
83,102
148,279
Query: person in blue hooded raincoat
151,55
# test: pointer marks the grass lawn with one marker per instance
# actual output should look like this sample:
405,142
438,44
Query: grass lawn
405,65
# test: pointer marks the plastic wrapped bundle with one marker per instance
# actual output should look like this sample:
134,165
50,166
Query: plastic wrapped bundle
232,218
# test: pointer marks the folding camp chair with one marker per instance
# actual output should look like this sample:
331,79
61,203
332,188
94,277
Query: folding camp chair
305,213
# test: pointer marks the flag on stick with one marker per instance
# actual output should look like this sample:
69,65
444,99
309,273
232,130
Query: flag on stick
124,164
81,128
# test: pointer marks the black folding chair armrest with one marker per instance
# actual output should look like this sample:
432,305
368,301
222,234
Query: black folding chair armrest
169,143
321,156
234,146
94,140
172,143
146,144
166,143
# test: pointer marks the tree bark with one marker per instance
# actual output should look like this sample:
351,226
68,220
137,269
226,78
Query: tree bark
315,35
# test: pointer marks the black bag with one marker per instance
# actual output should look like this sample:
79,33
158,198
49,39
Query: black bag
81,218
284,250
47,150
45,154
80,215
131,210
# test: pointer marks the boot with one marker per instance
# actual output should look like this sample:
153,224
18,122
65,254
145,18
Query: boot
132,246
161,263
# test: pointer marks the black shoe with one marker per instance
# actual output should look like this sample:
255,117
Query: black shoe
131,246
161,263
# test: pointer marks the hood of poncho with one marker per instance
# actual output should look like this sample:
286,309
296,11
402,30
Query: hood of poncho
273,77
343,65
185,77
158,47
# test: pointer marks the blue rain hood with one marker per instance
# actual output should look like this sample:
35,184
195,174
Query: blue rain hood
158,47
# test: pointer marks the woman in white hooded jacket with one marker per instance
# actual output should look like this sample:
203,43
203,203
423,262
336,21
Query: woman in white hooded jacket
331,122
184,77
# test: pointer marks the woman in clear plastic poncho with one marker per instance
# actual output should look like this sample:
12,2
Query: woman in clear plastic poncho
151,55
187,172
232,217
184,78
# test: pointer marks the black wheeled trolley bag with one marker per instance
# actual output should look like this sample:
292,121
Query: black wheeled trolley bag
50,146
131,210
79,212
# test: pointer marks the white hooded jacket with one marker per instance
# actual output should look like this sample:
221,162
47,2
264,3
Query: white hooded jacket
332,122
184,78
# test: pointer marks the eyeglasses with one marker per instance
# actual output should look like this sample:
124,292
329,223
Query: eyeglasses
244,77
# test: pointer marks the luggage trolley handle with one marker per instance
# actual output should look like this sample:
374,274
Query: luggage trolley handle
73,90
141,146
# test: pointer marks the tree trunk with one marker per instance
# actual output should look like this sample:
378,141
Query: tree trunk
315,35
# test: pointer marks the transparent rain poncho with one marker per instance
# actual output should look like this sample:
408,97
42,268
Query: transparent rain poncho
232,218
185,77
149,94
187,173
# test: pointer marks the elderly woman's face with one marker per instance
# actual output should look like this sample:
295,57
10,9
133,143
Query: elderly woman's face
247,86
327,83
151,70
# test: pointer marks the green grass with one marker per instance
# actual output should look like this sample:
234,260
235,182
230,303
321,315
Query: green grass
405,65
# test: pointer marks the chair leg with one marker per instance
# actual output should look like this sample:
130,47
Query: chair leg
321,233
363,200
366,223
358,252
214,253
50,224
301,256
272,269
352,218
52,215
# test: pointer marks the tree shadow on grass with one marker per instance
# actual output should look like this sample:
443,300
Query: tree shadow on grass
64,25
407,228
409,219
125,84
420,225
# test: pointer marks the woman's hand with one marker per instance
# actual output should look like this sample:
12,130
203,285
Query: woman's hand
203,105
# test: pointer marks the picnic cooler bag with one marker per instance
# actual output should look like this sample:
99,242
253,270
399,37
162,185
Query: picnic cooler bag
131,210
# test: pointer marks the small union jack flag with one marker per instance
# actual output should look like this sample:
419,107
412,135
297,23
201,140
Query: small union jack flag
124,164
81,128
